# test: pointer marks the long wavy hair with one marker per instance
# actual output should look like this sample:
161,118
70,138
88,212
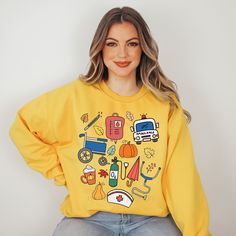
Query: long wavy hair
148,72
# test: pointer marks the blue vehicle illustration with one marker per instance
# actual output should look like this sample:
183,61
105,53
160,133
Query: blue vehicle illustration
145,130
93,145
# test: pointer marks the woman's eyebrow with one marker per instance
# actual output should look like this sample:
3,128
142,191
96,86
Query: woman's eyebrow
118,41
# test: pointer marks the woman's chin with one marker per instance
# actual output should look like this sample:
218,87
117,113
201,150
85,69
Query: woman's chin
122,73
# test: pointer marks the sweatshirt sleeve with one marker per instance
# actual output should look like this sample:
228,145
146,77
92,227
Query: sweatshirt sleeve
32,134
183,189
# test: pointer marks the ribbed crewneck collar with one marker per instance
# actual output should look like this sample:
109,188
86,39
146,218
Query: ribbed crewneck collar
106,89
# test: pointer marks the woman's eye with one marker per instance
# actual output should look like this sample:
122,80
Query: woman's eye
133,44
111,44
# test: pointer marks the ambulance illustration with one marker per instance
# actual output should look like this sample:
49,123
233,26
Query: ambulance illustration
145,130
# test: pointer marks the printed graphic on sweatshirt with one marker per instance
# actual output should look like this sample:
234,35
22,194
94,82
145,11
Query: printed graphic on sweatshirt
145,129
133,174
111,150
128,150
118,151
149,152
93,145
114,171
94,120
103,173
114,127
143,192
89,176
98,193
121,197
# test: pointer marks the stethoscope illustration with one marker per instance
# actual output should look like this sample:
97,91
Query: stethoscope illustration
126,164
146,178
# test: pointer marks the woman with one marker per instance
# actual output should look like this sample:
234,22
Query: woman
118,139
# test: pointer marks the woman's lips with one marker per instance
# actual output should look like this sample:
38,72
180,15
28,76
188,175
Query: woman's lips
122,64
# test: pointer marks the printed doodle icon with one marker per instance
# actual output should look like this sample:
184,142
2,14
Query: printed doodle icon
121,197
89,176
143,193
145,130
93,121
98,193
133,173
93,145
114,127
128,150
114,173
103,173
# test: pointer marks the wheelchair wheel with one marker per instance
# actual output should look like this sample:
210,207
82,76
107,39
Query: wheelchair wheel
102,161
85,155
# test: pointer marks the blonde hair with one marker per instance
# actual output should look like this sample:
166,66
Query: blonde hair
148,73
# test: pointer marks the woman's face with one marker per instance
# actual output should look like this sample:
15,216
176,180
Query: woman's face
122,51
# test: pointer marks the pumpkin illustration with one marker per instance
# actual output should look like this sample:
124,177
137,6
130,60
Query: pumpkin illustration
128,150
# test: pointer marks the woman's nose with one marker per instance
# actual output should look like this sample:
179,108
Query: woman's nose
122,51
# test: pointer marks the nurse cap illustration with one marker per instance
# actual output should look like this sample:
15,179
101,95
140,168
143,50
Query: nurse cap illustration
121,197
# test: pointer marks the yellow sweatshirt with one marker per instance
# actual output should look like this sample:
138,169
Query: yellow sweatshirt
120,154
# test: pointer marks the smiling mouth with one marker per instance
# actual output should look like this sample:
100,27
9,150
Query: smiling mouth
122,64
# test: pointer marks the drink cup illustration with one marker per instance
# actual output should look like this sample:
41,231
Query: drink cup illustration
89,176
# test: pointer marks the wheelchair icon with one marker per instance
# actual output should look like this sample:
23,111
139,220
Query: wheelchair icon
93,145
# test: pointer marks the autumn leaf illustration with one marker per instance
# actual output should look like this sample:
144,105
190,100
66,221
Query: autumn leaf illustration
103,173
129,115
84,118
98,129
149,152
111,150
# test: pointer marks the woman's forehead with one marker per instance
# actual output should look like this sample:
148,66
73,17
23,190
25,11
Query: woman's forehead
123,30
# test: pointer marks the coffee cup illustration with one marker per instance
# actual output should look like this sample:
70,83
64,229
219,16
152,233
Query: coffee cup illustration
89,176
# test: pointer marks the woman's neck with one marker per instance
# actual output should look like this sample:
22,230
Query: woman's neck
123,86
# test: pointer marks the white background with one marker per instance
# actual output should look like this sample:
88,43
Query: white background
45,43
